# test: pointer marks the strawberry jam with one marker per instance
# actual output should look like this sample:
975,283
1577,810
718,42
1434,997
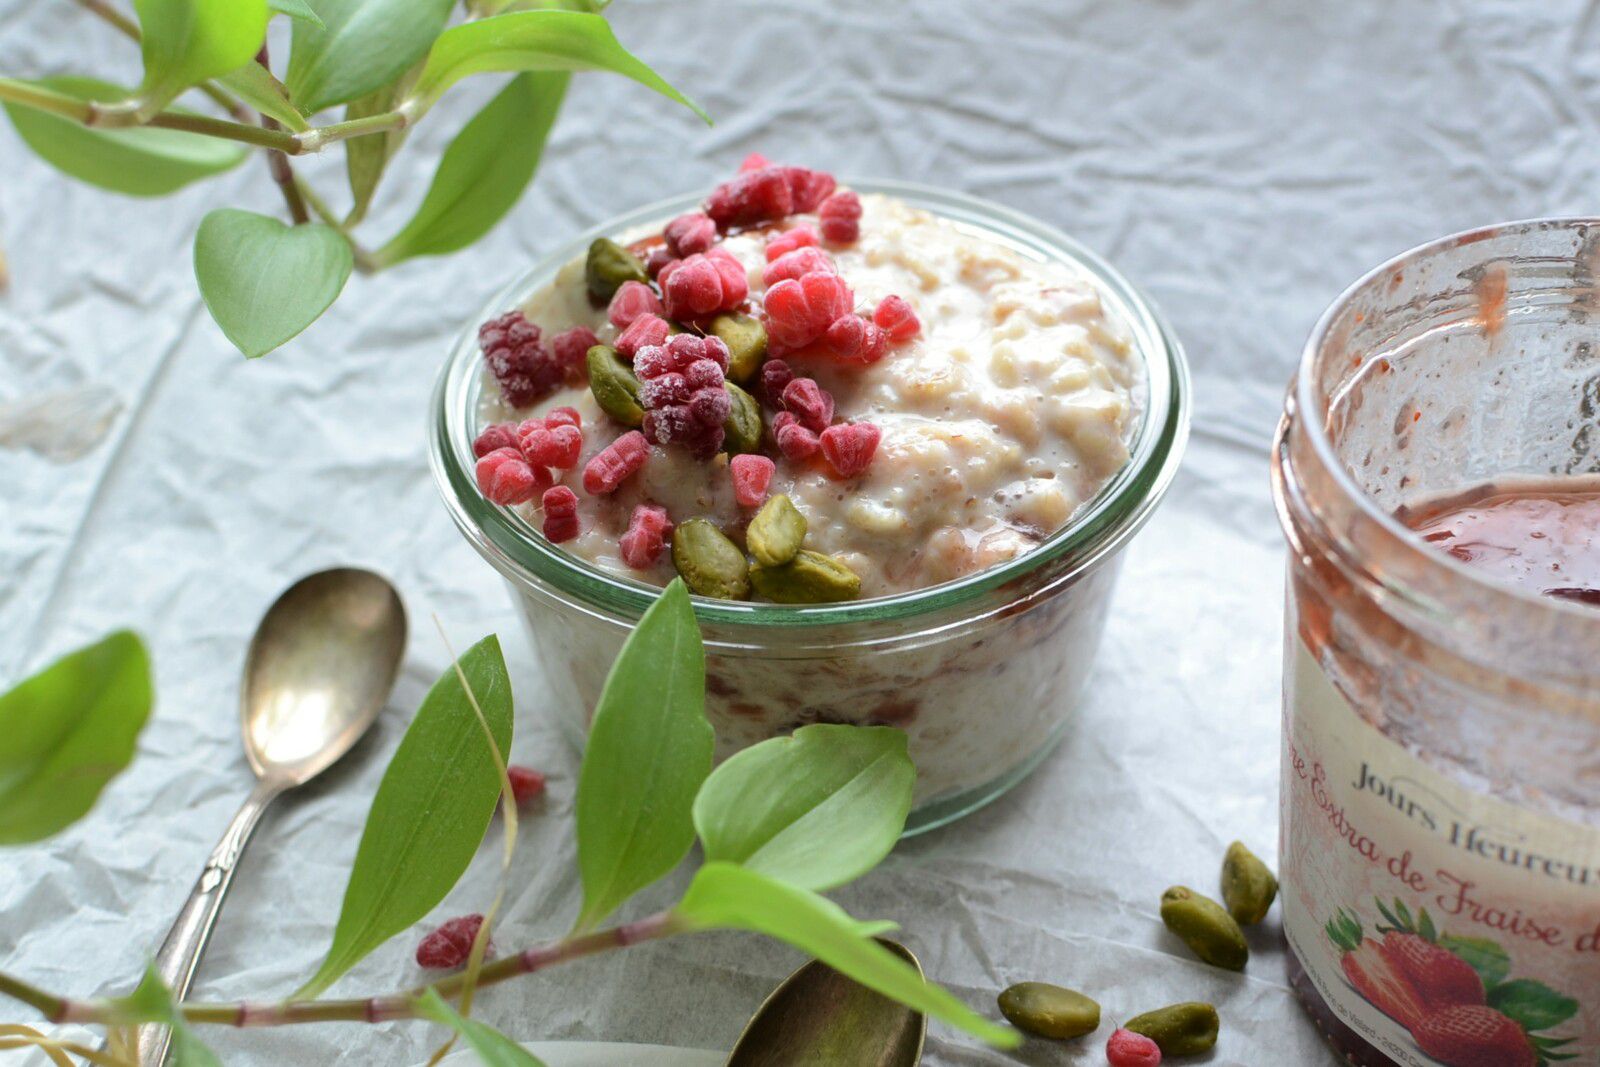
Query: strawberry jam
1541,537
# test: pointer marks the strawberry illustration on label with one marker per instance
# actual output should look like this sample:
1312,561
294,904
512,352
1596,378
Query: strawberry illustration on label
1452,994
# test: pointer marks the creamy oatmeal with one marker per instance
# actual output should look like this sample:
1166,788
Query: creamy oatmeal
909,399
1010,408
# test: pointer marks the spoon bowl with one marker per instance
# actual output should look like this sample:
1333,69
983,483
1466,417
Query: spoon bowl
819,1016
318,671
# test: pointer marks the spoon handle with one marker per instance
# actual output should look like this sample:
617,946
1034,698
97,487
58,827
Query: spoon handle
186,941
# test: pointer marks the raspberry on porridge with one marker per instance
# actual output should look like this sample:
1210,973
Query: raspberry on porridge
931,401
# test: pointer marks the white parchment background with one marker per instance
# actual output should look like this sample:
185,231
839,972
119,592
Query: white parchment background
1241,161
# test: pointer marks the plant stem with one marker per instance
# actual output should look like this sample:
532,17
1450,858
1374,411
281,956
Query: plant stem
49,1006
371,1009
278,163
42,99
317,139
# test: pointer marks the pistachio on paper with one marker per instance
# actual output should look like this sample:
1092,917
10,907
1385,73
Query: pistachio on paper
776,533
1206,927
1049,1010
1186,1029
709,563
1248,885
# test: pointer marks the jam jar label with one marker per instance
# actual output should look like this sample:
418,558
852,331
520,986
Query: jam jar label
1444,926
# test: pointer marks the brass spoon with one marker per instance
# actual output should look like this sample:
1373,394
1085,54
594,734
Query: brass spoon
318,672
819,1016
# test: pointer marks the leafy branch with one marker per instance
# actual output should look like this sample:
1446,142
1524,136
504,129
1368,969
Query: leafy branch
778,824
387,62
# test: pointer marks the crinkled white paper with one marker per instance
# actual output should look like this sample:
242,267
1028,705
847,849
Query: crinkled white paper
1242,161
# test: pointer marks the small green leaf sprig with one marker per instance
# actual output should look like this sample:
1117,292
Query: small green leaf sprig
386,62
779,823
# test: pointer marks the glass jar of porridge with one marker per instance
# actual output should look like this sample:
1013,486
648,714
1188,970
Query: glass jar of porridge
1437,472
981,672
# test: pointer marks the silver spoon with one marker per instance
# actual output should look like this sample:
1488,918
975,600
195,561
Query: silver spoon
318,672
819,1016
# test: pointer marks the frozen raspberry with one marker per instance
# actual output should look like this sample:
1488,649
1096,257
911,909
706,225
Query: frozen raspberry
526,783
505,477
704,285
789,240
632,300
895,316
547,444
493,438
614,463
682,392
564,416
797,264
794,440
853,339
560,514
658,258
754,196
800,310
648,530
524,368
811,403
808,188
775,375
571,348
754,161
642,332
849,449
691,233
752,475
449,946
840,217
1128,1049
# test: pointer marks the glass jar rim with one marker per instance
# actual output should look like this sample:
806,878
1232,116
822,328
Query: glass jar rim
1305,400
1102,525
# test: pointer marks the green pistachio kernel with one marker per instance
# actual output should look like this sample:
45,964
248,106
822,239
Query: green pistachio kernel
608,266
1248,885
1187,1029
742,431
1049,1010
746,339
614,386
710,564
809,578
777,532
1206,927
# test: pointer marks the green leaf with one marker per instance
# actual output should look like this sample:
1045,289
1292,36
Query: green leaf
648,752
1491,961
816,810
1532,1004
66,732
152,1001
296,9
485,169
726,896
138,161
256,86
431,811
263,281
534,40
360,46
1425,926
494,1049
186,42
